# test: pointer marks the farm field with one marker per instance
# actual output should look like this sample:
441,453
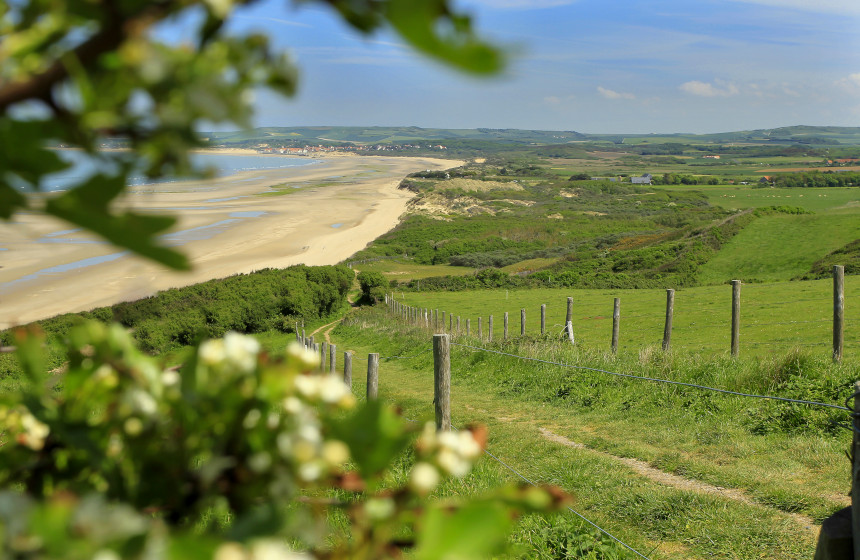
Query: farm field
780,246
775,317
844,199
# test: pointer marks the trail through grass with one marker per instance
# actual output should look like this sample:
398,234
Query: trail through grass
725,442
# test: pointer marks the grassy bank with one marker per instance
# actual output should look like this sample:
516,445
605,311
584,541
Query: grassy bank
783,464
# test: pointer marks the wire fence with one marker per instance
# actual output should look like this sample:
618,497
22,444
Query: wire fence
702,326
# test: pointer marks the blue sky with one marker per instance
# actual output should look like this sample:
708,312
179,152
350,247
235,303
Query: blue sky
598,66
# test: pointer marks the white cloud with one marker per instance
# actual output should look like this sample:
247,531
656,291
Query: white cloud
705,89
851,83
610,94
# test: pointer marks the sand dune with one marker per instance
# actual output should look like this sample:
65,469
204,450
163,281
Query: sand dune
226,226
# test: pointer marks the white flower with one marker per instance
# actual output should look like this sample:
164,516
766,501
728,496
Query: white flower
310,471
271,549
333,390
453,463
308,386
33,433
211,352
169,378
379,508
306,358
469,448
141,401
335,453
423,478
260,462
252,419
133,426
230,551
241,351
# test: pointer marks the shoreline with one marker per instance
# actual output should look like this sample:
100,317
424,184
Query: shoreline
228,225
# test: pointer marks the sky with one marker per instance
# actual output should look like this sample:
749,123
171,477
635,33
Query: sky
592,66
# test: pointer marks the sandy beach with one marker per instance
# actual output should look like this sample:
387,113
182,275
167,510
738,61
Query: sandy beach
314,214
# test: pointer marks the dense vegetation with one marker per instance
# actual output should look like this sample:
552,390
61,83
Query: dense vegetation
247,303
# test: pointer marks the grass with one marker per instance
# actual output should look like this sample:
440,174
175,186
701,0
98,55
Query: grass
783,467
743,197
404,271
775,317
777,247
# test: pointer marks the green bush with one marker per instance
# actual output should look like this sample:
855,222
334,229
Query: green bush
373,286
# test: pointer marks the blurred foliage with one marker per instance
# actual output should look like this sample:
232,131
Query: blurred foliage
84,74
235,454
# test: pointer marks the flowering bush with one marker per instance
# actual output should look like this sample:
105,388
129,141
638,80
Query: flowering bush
235,455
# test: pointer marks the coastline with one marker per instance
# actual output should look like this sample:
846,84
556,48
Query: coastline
227,225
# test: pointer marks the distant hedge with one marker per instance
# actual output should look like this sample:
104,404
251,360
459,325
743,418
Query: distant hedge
248,303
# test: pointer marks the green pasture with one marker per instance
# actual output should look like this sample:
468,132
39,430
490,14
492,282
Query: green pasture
775,317
777,455
843,199
778,247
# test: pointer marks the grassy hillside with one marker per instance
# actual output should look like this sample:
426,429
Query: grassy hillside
751,478
804,135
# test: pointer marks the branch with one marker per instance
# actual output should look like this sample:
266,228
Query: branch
111,35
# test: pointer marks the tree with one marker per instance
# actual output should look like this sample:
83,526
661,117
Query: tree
80,71
237,452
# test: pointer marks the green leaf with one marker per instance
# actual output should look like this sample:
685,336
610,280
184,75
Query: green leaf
10,200
476,530
375,435
30,160
432,28
88,206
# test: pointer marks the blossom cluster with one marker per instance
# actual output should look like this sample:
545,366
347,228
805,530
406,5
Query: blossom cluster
442,453
24,427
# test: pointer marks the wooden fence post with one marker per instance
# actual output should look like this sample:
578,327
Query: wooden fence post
442,381
569,317
480,329
347,369
569,329
332,357
468,327
670,311
490,329
543,318
616,320
450,322
458,324
522,322
322,355
838,311
443,321
304,340
436,319
372,376
736,316
506,325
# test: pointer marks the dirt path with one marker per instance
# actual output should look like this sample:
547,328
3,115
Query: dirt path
668,479
329,327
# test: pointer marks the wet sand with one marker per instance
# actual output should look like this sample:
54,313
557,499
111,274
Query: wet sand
226,226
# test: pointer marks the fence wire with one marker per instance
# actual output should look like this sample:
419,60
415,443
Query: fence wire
657,380
571,510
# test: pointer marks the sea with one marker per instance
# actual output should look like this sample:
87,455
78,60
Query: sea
83,166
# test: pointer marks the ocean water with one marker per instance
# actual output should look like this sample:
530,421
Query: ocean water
84,167
223,165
